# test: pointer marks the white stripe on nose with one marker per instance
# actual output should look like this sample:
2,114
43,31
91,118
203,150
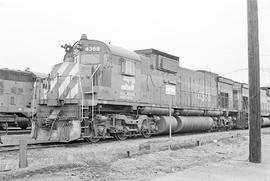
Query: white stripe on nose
60,72
74,91
53,83
64,85
67,80
62,68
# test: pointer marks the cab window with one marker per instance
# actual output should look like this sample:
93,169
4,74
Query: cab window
128,67
90,59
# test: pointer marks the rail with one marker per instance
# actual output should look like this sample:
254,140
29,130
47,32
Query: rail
50,144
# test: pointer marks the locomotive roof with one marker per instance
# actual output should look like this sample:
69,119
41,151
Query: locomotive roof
134,55
5,74
208,72
40,75
16,75
244,85
123,52
157,52
265,88
225,80
18,71
115,50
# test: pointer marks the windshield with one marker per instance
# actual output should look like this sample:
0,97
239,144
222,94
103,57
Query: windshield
90,59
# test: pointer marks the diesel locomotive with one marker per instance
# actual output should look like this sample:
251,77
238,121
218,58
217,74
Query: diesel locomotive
101,90
16,97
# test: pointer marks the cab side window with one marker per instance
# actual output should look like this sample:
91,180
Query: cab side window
128,67
12,100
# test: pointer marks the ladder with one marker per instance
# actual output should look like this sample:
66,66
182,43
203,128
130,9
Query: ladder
84,117
84,110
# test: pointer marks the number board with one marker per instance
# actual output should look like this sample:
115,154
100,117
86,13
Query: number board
170,90
92,48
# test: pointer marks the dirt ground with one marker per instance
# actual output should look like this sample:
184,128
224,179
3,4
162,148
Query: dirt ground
148,158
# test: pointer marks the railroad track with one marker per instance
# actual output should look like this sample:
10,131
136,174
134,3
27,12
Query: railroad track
76,143
41,145
14,131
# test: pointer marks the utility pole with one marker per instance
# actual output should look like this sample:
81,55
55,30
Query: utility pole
254,83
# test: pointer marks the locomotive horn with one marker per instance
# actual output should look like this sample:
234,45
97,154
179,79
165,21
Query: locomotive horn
83,37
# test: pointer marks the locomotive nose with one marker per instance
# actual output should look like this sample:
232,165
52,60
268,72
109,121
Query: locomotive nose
69,80
63,83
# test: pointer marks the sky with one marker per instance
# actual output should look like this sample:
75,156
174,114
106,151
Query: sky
205,34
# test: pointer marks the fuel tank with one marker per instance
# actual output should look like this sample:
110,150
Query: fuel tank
164,124
192,123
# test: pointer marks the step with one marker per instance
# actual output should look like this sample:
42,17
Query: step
84,126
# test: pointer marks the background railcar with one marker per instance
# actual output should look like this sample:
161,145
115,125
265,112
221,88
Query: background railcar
16,96
265,106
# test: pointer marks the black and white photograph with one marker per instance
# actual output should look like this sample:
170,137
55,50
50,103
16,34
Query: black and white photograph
134,90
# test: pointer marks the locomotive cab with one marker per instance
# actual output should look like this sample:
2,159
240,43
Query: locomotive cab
81,70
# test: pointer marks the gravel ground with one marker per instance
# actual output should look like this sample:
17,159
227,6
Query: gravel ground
149,158
15,139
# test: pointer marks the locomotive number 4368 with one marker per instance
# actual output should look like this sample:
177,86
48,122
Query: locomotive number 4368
92,49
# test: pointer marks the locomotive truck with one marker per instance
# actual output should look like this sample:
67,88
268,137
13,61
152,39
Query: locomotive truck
101,90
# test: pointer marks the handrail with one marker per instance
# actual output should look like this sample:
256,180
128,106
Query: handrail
33,100
80,82
92,82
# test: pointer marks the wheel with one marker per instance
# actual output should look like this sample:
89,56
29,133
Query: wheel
3,126
92,140
145,129
120,136
146,133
